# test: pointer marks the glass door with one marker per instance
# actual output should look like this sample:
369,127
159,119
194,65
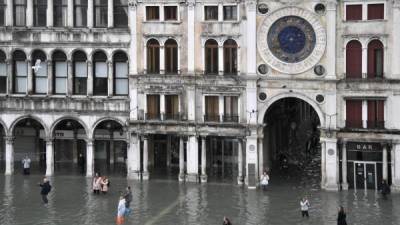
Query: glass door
359,175
370,171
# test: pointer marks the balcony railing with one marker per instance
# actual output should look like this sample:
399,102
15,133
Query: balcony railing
376,124
152,116
354,124
211,118
231,118
172,116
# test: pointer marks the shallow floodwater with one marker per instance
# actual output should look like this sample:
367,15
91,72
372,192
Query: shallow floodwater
168,202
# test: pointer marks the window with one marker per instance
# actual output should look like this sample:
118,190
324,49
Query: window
210,12
3,7
211,57
171,107
230,57
3,73
60,69
100,13
376,114
171,56
121,13
79,73
354,12
19,13
80,13
20,69
153,56
170,13
100,77
39,72
152,13
354,59
212,108
60,13
120,60
230,12
153,107
231,109
375,59
376,11
354,113
39,13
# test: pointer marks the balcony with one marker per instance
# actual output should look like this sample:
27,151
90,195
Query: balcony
231,118
354,124
211,118
153,116
376,124
172,116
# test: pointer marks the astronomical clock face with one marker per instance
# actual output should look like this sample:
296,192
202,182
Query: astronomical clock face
291,40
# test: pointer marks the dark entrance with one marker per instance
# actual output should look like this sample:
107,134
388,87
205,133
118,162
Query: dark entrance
222,158
291,141
2,150
164,155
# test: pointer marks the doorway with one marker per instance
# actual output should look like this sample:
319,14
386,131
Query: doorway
365,175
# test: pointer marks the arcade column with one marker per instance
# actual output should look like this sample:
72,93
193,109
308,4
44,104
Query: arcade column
331,164
251,162
133,157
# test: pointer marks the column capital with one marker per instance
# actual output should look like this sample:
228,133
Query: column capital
89,141
331,5
191,3
132,4
251,5
89,62
396,4
9,139
49,140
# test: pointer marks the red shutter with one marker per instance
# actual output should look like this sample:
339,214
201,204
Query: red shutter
376,11
354,12
371,114
380,110
372,62
354,60
354,113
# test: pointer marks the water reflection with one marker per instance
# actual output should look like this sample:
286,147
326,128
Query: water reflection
7,208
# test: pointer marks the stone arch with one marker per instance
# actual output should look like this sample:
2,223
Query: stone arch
5,129
118,51
94,126
77,119
94,51
38,119
72,52
269,103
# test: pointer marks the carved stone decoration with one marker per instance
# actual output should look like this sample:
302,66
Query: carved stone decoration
275,47
132,4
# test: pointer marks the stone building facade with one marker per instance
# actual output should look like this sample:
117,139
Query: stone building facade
201,89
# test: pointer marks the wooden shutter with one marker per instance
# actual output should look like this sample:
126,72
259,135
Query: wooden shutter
354,12
375,65
354,60
354,113
376,11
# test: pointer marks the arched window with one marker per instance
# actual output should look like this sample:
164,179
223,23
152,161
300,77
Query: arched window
60,72
3,72
20,69
230,57
39,72
100,76
79,73
353,59
153,56
171,56
120,60
211,57
375,59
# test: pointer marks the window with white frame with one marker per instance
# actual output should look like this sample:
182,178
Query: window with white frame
60,13
100,77
80,13
39,72
170,13
79,73
60,69
356,11
120,60
100,13
39,13
230,12
3,73
211,13
152,13
19,13
3,7
20,72
121,13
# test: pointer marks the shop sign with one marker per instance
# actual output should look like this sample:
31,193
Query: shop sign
363,146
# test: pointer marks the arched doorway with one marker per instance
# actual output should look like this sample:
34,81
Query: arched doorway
110,148
30,141
69,147
291,140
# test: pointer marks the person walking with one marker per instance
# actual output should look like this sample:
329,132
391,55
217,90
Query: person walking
341,219
46,188
26,163
128,199
304,206
264,180
385,190
96,183
104,184
226,221
121,210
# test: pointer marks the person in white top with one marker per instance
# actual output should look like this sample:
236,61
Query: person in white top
121,210
264,180
304,205
26,163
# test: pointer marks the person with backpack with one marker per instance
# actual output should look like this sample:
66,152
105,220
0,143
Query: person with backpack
45,190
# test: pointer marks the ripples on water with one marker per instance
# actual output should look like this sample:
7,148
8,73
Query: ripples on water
167,202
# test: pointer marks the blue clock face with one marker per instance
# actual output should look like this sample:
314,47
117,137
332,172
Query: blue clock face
291,39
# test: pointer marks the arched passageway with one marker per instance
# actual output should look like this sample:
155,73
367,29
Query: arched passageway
69,147
291,140
110,148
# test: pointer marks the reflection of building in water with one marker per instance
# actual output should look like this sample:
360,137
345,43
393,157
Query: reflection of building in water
200,90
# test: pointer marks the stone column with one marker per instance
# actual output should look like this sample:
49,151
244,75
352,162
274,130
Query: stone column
345,185
133,41
203,160
29,13
110,79
75,154
49,157
181,160
323,164
240,163
29,77
221,60
9,13
191,106
89,158
162,106
191,36
260,156
90,14
221,108
364,114
50,9
112,150
169,143
50,77
396,169
251,161
251,33
89,78
9,154
110,14
133,157
162,59
9,76
70,78
192,161
385,162
331,39
145,174
395,48
364,62
331,163
70,13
